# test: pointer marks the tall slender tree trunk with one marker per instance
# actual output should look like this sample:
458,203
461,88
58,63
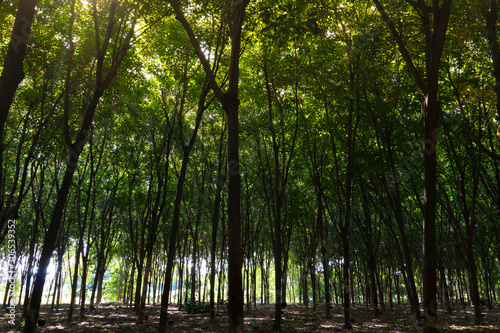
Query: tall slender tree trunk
174,230
235,253
49,245
230,103
372,269
74,284
392,189
75,149
83,288
194,265
147,271
430,109
474,284
96,281
52,232
215,227
84,250
131,285
434,31
394,195
180,278
346,227
277,263
312,270
33,240
158,207
326,266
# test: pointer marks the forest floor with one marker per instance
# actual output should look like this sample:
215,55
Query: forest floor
296,318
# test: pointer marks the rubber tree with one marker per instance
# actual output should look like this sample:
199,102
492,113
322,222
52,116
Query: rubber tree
315,166
161,160
394,195
230,103
102,81
174,228
215,224
434,23
278,169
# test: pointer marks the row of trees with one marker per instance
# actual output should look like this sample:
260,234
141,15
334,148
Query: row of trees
255,138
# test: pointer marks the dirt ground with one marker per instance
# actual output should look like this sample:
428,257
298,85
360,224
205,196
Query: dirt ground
296,318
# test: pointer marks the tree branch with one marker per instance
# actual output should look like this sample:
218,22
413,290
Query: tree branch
199,52
402,47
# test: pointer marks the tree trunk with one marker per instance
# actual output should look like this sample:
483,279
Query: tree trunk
444,284
96,282
254,282
230,103
31,257
125,285
326,267
373,286
346,227
235,255
158,206
434,37
303,291
74,283
83,285
389,289
52,232
131,285
380,289
396,204
171,248
430,110
312,270
194,265
174,230
120,282
215,226
277,267
180,279
75,150
474,284
50,241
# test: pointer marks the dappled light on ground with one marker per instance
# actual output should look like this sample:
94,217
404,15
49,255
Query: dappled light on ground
296,318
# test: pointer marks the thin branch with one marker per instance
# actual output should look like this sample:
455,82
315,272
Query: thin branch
402,47
199,52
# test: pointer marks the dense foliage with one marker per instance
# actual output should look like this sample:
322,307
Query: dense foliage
331,147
